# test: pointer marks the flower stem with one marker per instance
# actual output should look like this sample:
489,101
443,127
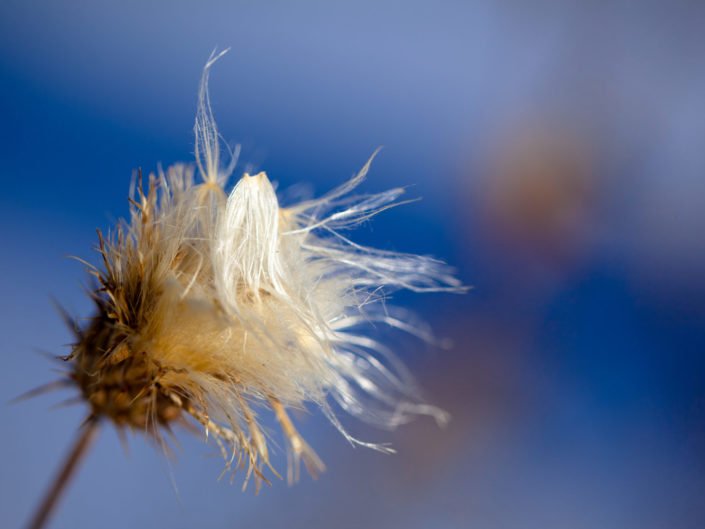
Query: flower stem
83,442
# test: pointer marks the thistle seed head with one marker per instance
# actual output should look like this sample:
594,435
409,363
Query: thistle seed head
213,306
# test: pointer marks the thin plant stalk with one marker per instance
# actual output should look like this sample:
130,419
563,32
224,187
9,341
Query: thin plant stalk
80,448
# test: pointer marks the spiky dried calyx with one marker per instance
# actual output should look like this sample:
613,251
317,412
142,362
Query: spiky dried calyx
117,382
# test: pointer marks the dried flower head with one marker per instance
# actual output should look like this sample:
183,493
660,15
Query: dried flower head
215,305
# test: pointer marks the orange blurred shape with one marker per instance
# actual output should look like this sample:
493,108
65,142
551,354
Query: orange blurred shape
539,191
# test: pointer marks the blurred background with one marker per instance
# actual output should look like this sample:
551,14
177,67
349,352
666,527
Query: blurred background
559,149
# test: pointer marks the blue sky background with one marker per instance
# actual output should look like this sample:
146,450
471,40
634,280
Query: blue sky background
559,151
